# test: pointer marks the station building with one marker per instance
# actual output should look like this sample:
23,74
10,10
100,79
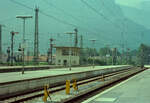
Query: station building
62,55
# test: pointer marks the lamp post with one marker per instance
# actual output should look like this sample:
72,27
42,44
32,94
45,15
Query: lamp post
8,54
24,18
112,56
51,50
12,46
93,42
28,49
70,49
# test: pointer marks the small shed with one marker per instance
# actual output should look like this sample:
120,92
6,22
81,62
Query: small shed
63,58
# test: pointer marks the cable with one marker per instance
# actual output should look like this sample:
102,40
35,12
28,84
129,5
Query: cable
67,23
108,9
94,9
53,17
48,15
115,13
99,13
62,10
50,4
21,4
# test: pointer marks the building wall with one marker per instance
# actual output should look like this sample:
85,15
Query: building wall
60,59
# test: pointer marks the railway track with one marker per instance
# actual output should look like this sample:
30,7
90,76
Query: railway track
39,93
86,95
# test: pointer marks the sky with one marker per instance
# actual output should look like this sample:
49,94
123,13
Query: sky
67,12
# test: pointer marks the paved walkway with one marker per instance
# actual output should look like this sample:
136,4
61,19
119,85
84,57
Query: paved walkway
133,90
14,76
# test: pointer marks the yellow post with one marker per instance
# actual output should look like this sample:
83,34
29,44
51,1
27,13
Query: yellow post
75,84
67,87
46,93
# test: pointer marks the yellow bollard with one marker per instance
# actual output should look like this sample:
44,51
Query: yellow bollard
75,84
46,93
67,87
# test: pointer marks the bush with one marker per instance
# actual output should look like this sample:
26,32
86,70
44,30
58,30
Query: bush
96,62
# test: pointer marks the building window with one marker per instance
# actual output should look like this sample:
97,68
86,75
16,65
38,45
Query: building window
59,61
74,62
65,52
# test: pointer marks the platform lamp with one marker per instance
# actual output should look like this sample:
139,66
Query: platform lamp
23,18
70,33
12,46
93,43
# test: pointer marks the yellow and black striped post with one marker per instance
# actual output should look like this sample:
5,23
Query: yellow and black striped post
75,87
46,93
67,86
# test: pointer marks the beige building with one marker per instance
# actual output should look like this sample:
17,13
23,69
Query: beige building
62,55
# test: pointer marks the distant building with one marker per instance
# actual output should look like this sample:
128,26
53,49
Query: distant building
42,58
62,55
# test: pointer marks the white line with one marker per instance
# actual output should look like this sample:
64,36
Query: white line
92,98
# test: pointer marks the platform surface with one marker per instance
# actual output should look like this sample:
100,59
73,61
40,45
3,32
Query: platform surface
30,66
14,76
133,90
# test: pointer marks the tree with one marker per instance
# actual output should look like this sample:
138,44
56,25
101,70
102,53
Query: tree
104,51
143,54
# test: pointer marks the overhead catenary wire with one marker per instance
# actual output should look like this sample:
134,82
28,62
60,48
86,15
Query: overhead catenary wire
56,19
62,10
66,13
108,8
48,15
115,9
99,13
21,4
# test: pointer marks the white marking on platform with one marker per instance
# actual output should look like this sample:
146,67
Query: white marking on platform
105,99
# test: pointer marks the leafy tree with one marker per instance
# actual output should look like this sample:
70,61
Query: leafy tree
143,55
104,51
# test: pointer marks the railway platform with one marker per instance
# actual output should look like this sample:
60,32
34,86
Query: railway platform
16,83
133,90
6,69
15,76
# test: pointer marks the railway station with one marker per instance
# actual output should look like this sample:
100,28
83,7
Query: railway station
74,51
81,81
